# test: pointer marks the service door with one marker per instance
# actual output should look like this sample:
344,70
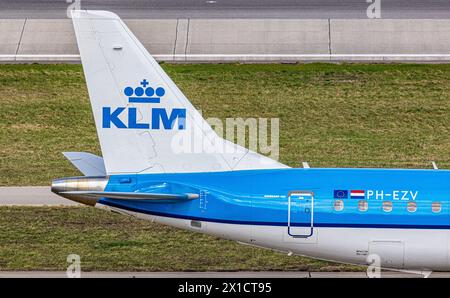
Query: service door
301,214
390,252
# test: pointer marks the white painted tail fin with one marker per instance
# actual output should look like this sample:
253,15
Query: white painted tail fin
144,122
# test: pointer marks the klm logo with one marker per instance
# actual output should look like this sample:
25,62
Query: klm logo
159,118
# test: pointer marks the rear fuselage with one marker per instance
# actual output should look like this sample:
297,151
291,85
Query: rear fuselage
336,214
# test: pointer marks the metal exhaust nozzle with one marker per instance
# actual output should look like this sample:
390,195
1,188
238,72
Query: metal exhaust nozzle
63,185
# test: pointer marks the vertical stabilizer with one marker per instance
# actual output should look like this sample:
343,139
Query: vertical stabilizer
144,122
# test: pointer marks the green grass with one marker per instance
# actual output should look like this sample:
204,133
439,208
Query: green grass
42,238
351,115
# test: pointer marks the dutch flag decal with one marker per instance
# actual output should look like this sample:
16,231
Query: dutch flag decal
357,194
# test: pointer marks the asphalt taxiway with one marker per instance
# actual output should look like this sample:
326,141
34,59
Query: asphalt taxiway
297,9
240,274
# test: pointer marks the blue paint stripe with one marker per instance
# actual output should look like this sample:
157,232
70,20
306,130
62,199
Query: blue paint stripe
279,224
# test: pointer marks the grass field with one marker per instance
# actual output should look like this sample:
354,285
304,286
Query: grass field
41,238
350,115
331,115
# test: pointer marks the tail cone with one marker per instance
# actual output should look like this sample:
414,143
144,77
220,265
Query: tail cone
63,185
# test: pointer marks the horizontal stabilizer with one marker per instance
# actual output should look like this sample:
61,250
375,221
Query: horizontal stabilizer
133,195
87,163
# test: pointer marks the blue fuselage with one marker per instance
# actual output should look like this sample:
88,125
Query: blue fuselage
261,197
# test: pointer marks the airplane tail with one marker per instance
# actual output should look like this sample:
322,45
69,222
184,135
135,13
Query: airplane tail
145,124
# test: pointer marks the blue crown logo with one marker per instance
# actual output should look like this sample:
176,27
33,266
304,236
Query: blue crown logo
144,94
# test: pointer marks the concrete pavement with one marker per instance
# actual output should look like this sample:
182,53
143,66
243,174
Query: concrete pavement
31,196
243,40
